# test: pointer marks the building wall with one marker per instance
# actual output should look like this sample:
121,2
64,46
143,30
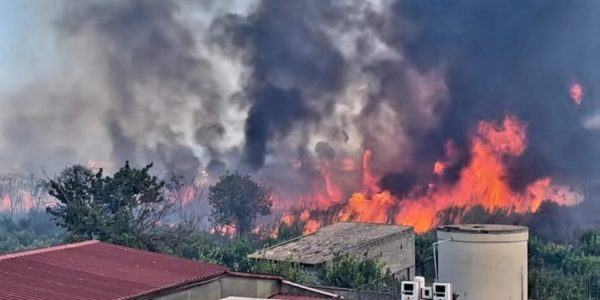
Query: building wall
208,291
396,252
249,287
225,287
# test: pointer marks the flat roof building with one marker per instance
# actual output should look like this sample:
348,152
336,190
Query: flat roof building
391,245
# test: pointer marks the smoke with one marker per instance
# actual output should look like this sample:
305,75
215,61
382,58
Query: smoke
135,83
518,57
283,88
294,70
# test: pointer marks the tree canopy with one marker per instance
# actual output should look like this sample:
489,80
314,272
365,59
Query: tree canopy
124,209
237,200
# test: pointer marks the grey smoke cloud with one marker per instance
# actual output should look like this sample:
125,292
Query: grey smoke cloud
265,85
135,85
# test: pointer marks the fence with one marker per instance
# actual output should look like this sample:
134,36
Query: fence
542,286
548,285
384,289
377,290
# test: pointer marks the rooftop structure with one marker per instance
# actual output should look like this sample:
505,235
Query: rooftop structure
393,245
321,246
96,270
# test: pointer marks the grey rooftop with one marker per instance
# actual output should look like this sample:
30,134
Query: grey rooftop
322,245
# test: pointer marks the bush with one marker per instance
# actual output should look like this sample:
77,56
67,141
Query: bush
351,272
33,230
289,270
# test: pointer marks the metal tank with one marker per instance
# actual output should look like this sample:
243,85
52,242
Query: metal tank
483,261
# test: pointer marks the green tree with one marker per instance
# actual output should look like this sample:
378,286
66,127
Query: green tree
236,200
287,269
423,247
590,242
125,209
351,272
34,230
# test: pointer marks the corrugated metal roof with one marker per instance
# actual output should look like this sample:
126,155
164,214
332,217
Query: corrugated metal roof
95,270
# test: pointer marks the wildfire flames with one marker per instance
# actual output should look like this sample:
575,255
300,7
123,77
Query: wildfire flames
482,182
576,93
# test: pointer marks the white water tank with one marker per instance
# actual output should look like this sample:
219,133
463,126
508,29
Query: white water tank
484,261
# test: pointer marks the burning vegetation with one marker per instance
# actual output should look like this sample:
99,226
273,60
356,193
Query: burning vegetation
482,181
378,111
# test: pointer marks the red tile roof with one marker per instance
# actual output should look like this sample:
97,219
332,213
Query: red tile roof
95,270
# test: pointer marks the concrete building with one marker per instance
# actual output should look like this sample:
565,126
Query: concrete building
95,270
484,261
392,245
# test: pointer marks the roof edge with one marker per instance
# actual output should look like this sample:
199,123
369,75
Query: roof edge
47,249
177,285
263,250
307,288
255,275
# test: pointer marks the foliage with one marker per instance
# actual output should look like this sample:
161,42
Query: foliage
289,231
269,235
423,247
232,253
236,200
33,230
561,272
553,285
590,242
351,272
287,269
124,209
183,239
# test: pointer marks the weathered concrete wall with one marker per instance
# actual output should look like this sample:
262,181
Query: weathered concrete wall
225,287
208,291
396,252
249,287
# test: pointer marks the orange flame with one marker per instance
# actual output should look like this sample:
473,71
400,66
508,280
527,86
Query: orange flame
288,219
482,182
439,168
369,181
311,226
6,203
228,230
576,93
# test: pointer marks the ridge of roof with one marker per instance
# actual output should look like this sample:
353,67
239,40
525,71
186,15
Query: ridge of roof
47,249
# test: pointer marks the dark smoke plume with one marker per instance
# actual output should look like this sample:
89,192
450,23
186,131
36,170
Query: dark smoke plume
266,85
512,56
294,69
